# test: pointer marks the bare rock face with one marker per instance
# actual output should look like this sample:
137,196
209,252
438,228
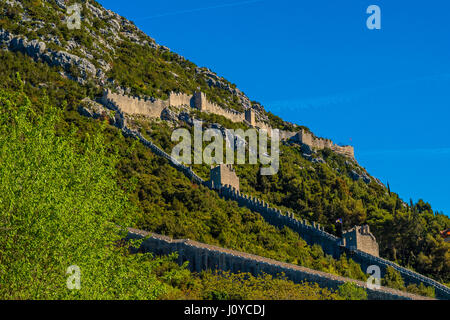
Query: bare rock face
38,51
96,12
169,115
65,60
74,54
13,3
92,109
185,117
356,176
32,48
61,4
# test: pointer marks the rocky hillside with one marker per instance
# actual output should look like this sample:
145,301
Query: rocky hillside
103,50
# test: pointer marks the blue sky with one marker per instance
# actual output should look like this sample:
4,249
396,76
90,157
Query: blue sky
315,63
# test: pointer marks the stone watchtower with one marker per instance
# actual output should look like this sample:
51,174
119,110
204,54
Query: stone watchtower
223,175
304,137
250,116
360,238
200,100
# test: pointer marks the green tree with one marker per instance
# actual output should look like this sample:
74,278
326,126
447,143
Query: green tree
393,279
58,199
350,291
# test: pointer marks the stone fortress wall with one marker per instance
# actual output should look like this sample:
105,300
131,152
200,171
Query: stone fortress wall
320,143
135,105
207,257
312,233
204,105
153,108
180,99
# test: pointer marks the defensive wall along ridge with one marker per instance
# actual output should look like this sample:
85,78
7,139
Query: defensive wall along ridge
312,233
357,243
153,108
207,257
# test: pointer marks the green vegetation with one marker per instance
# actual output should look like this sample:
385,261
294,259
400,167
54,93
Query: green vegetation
407,234
170,204
57,166
58,212
144,69
157,72
215,118
393,279
276,122
421,290
244,286
352,292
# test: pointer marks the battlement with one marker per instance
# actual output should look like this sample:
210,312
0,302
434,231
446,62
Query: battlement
202,256
313,142
204,105
360,238
181,99
134,105
262,207
153,108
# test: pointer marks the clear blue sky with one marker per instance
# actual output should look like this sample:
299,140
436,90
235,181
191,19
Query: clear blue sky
315,63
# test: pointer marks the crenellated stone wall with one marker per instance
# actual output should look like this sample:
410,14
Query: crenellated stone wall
153,108
181,99
207,257
312,233
187,171
250,117
135,105
204,105
320,143
286,135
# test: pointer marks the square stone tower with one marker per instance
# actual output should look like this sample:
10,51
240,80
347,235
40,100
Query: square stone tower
304,137
200,100
360,238
223,175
